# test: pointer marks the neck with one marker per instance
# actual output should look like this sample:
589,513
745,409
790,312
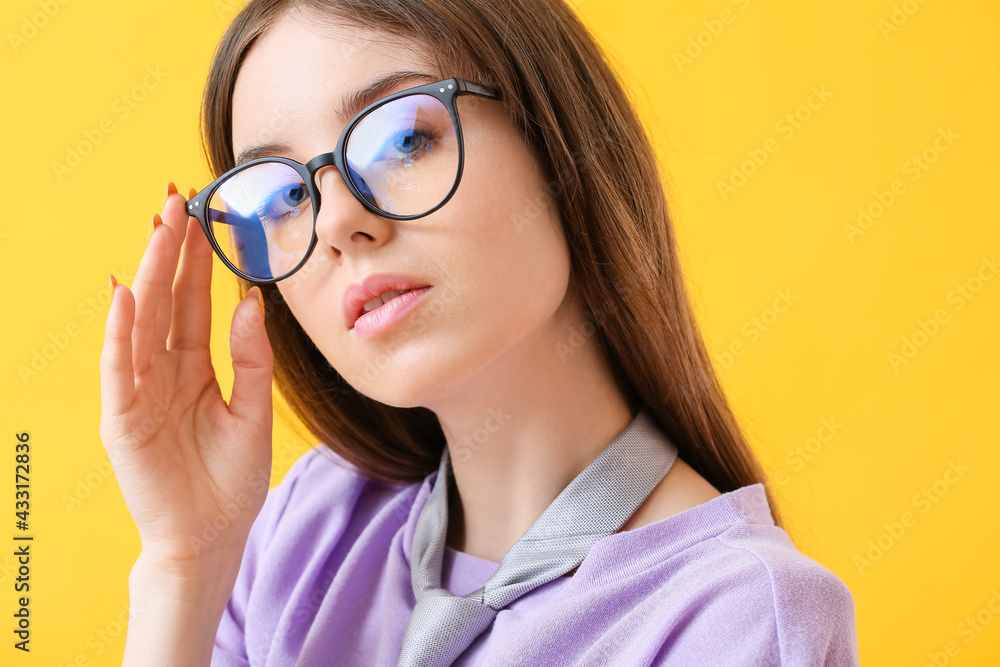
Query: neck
516,445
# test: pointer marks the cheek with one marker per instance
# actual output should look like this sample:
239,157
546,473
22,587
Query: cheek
315,312
521,252
502,267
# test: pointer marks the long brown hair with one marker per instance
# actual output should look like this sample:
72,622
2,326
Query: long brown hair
557,87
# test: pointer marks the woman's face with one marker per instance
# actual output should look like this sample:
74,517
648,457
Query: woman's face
494,256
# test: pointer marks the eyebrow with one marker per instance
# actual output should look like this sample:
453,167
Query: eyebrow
350,106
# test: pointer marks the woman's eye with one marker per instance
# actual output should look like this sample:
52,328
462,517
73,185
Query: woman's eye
409,142
406,145
294,196
289,201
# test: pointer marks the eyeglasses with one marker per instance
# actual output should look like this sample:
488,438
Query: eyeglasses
401,157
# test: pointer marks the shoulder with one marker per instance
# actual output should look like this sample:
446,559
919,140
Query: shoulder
720,583
813,609
765,549
781,606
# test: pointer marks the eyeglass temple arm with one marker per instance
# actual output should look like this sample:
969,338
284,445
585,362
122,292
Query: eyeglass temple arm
231,219
477,89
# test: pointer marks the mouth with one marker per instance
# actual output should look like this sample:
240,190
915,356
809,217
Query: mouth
378,295
383,311
382,299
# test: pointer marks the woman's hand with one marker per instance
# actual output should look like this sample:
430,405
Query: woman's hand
193,470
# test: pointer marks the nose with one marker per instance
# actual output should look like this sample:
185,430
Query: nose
343,224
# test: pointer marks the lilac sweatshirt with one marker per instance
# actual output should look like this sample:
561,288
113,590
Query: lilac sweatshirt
325,580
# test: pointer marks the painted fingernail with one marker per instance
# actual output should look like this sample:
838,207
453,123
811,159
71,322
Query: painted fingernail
191,193
260,298
171,190
114,284
154,223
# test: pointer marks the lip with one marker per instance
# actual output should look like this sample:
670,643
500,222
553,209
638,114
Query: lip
366,325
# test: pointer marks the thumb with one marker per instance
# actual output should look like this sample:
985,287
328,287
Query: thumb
253,361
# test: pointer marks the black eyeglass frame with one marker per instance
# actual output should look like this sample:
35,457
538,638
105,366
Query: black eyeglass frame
447,91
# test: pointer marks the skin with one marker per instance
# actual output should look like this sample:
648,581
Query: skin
484,345
505,295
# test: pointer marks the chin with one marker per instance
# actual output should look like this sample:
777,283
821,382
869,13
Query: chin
395,382
417,380
397,395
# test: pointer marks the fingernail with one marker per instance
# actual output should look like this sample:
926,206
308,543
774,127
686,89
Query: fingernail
114,284
191,193
154,223
171,190
260,299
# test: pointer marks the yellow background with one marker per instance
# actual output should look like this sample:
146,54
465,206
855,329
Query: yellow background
893,429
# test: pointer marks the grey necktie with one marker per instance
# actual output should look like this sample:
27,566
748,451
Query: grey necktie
594,505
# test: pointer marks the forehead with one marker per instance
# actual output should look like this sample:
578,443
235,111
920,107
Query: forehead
294,81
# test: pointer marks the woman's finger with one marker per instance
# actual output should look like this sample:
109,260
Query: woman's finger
253,361
192,301
151,286
117,379
175,218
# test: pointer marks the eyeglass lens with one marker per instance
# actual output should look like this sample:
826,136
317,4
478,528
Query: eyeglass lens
403,158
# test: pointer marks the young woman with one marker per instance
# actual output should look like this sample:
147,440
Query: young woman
454,226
